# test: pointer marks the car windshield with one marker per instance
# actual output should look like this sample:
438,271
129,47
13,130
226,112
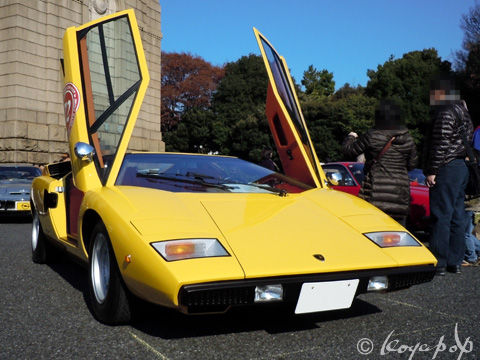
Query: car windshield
357,171
19,172
203,173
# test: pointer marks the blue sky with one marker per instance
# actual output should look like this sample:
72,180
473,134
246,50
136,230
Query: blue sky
346,37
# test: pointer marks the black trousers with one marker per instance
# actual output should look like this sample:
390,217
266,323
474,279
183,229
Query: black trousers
447,210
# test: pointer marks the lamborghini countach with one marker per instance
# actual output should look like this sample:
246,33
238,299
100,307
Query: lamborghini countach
202,233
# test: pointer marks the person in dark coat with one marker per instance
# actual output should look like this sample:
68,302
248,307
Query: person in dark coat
386,184
447,174
267,161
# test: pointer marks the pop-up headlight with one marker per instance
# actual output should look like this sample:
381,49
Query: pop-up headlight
189,248
392,238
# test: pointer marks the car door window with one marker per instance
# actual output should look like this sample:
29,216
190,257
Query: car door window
356,170
281,81
345,178
284,115
111,77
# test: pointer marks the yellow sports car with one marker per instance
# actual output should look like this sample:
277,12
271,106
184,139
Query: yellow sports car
202,233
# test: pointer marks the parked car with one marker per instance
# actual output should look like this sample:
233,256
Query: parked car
202,233
15,184
349,176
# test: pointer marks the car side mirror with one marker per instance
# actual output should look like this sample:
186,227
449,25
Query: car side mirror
84,151
333,178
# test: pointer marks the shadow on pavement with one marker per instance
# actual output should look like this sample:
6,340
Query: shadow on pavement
170,324
15,219
73,273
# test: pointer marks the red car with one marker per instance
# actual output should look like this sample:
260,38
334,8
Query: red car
349,177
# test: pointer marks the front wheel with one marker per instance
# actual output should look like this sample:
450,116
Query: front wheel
40,246
107,292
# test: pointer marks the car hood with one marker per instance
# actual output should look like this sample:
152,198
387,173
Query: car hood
268,234
276,236
17,186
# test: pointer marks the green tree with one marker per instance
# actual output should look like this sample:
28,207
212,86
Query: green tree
318,114
470,79
347,90
192,134
330,119
407,80
318,83
353,110
240,124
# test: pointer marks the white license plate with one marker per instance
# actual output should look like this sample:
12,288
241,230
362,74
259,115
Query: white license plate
324,296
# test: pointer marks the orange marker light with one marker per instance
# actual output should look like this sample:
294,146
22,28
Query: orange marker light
391,239
180,249
128,259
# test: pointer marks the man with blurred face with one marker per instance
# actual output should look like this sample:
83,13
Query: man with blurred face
447,174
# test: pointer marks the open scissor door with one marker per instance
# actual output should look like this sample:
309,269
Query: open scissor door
105,76
286,121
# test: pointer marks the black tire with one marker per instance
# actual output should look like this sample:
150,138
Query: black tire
40,246
108,294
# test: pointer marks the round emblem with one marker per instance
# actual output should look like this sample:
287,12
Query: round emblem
71,102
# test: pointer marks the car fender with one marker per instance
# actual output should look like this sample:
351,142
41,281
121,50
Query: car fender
132,228
141,267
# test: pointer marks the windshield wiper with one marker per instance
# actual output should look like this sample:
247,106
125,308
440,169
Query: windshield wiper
280,192
197,180
198,176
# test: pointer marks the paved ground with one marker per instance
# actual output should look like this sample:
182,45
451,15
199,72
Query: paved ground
43,315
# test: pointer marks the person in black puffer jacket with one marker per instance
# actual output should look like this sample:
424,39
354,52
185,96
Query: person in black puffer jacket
447,175
386,184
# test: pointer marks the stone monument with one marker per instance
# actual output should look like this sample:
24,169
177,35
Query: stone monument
32,122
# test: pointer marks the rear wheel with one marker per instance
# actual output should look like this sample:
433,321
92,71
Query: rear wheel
40,246
107,292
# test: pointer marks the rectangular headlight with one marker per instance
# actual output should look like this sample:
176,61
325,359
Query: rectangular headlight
392,238
267,293
377,283
189,248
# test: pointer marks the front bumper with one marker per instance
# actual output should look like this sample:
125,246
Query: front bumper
15,206
220,296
